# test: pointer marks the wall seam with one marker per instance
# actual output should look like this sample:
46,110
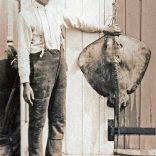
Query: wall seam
140,84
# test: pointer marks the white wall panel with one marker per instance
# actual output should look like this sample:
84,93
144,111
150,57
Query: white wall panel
74,131
91,111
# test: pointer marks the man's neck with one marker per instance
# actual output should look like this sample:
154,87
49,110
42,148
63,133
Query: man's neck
41,2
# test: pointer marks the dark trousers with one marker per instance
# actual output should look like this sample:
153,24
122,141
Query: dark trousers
48,81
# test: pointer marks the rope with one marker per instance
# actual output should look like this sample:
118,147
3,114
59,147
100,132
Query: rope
115,66
115,76
115,8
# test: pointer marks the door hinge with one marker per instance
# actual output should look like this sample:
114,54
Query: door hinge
112,130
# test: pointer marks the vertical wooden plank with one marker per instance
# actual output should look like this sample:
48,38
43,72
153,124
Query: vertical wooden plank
15,15
148,87
132,112
24,125
108,11
106,147
102,100
10,18
24,107
2,61
90,97
121,14
133,18
3,56
121,19
91,125
3,28
74,140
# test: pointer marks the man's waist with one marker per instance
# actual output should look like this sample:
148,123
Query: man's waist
36,48
45,51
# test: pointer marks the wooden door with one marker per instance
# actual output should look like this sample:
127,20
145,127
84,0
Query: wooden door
137,18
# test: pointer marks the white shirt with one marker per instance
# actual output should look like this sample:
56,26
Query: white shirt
40,27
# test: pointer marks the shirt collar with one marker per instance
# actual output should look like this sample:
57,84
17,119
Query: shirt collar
38,5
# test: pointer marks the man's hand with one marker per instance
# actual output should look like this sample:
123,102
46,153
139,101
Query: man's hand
28,93
112,30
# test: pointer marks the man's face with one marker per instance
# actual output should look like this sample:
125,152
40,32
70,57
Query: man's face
43,2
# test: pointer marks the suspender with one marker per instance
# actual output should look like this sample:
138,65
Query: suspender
44,41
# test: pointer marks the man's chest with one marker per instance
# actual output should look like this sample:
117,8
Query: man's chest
45,20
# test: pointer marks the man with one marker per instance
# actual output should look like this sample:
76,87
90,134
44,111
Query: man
42,70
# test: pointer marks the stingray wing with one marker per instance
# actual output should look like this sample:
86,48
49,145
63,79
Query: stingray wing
134,58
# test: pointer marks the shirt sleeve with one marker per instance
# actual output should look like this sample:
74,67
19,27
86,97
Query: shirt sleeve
82,23
24,42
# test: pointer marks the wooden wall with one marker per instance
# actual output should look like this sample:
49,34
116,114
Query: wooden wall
137,18
3,28
87,113
8,12
8,20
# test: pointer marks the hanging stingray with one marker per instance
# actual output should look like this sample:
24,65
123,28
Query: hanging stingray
115,65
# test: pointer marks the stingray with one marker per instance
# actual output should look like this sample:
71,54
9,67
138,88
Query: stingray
114,66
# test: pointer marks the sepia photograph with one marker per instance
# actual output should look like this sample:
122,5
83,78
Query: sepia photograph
77,77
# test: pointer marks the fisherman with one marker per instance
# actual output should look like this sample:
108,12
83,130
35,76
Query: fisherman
42,69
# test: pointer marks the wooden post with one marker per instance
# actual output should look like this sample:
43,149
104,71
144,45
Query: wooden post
24,106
